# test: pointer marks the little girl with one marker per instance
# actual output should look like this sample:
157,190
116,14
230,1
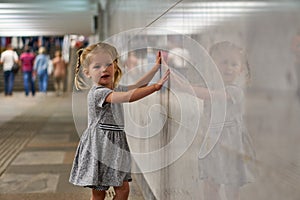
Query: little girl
231,161
103,157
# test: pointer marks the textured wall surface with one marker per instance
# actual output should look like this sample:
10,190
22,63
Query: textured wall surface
164,129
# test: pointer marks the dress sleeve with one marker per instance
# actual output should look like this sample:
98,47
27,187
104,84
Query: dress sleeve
122,88
100,95
235,94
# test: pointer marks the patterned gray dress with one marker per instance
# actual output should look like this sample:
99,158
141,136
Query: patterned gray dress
103,157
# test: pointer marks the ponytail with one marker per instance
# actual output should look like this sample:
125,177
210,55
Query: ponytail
79,81
118,73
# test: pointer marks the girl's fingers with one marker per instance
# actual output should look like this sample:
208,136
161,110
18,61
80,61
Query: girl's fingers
166,76
163,79
167,73
158,61
164,63
158,58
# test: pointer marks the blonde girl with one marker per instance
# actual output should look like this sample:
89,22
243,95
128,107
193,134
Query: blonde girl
103,156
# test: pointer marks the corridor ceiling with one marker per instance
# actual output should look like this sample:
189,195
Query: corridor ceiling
46,17
61,17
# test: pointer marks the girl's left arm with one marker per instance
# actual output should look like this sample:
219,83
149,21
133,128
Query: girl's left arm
148,76
138,93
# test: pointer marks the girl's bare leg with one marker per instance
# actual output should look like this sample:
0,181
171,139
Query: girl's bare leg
122,192
97,195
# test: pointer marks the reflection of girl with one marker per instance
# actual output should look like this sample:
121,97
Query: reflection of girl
231,160
103,156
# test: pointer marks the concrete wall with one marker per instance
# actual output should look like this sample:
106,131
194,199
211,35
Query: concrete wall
172,115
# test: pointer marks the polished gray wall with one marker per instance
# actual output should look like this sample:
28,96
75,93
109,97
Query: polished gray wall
265,31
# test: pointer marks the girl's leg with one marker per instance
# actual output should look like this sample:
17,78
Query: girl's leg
97,195
232,192
122,192
211,190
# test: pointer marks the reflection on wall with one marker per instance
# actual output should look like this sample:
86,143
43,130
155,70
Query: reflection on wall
164,129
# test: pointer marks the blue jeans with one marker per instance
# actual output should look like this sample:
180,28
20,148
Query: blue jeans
43,82
9,78
28,82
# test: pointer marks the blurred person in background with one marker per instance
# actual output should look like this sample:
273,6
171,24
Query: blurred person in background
27,61
59,72
8,58
41,69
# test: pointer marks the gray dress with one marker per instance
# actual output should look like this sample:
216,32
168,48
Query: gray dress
103,157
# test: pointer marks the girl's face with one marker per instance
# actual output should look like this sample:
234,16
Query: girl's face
229,64
102,70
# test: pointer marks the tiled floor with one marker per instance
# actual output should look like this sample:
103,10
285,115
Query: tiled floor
41,169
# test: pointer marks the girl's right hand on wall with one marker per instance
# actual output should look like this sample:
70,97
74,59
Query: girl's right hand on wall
163,79
159,61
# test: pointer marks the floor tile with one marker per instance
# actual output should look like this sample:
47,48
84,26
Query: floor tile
40,158
32,183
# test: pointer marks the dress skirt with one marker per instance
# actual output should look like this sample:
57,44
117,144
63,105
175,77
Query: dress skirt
102,159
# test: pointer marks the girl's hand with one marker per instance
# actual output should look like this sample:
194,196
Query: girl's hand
164,78
159,61
149,75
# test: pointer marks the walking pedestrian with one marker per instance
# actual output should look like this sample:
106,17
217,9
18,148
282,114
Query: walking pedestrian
8,58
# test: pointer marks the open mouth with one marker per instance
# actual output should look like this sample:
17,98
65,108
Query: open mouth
105,76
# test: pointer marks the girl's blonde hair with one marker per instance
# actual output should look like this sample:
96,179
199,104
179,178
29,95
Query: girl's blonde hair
84,60
226,46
